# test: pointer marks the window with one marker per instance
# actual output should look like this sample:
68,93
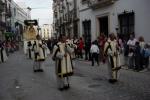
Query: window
126,21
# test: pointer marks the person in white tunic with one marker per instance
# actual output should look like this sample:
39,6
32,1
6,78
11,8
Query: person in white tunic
72,45
64,67
112,52
39,55
45,49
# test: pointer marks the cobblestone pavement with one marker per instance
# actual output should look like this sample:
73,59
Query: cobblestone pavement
18,82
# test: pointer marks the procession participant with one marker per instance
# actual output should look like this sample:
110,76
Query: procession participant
39,54
111,50
3,55
49,45
45,49
29,50
64,67
72,45
34,49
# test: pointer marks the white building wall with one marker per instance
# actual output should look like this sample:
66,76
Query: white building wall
142,15
140,8
19,15
84,15
101,13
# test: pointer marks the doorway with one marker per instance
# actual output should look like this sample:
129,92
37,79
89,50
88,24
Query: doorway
103,25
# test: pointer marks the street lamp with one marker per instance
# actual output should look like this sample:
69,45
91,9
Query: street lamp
29,8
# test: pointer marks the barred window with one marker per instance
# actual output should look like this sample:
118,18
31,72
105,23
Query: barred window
126,22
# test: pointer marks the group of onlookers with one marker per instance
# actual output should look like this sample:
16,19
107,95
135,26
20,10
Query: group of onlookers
7,47
137,51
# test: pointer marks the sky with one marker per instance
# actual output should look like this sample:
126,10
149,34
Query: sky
42,10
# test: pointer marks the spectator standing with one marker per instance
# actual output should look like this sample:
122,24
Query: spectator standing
142,45
131,43
94,50
80,47
146,55
137,55
101,44
87,49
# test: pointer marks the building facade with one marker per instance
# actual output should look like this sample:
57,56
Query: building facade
66,17
124,17
46,31
12,18
94,17
5,17
17,20
2,19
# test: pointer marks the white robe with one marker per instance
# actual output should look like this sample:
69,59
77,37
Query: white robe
46,50
73,46
115,59
39,50
64,67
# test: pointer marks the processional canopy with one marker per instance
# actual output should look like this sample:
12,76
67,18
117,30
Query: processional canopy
31,29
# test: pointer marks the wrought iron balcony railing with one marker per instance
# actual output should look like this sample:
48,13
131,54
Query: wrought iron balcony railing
95,4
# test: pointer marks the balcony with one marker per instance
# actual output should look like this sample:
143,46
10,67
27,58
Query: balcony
95,4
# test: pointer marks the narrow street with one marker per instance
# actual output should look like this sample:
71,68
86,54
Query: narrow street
19,82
